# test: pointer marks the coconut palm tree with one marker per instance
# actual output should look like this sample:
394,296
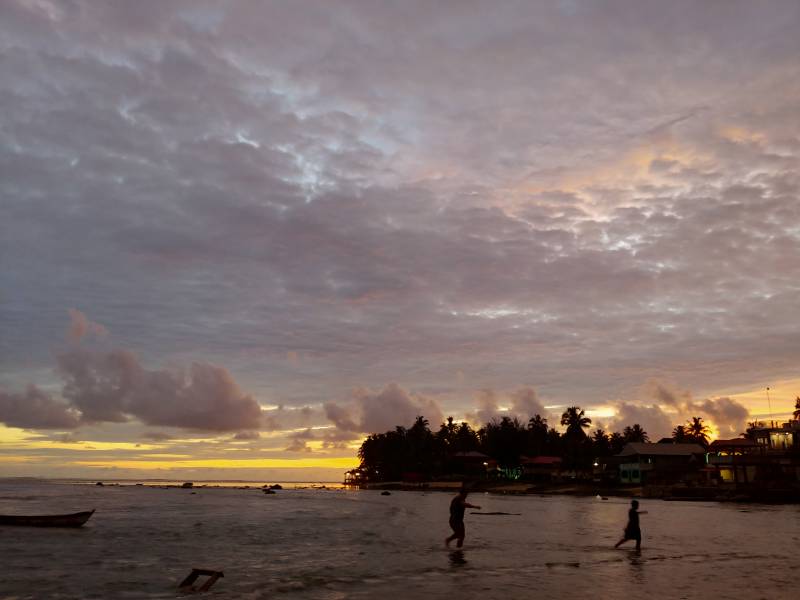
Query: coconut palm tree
537,423
635,434
680,435
698,430
601,443
536,435
796,413
576,421
617,442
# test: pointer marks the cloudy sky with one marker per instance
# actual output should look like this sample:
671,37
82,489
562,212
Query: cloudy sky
236,237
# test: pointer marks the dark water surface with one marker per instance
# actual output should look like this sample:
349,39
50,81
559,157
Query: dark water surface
335,544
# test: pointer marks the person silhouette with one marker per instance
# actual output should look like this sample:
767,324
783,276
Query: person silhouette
632,531
457,507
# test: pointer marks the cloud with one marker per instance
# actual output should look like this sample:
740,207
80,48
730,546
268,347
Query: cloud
374,224
488,408
34,409
247,435
652,418
299,441
369,412
80,326
675,406
525,404
156,436
521,404
727,414
666,395
338,440
114,386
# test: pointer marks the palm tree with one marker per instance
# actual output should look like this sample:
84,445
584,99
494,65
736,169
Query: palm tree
680,435
796,413
536,435
617,442
537,423
698,430
601,443
635,434
576,421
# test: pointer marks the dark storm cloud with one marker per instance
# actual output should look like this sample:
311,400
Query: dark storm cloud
572,199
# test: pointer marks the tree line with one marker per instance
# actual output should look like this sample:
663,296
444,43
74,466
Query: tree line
417,449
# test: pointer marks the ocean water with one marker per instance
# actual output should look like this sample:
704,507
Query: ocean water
336,544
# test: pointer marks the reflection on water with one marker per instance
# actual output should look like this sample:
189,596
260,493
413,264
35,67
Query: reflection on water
324,544
457,558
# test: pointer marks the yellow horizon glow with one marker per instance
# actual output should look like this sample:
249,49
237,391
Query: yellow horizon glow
782,396
210,463
82,446
19,459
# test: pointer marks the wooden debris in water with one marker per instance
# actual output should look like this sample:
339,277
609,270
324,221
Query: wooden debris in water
187,584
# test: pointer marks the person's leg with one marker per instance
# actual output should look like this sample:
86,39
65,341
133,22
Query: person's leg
619,543
460,533
454,525
638,542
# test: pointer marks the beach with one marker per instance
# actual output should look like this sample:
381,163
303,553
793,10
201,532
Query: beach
338,543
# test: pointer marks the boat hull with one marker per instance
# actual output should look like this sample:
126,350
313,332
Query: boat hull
71,520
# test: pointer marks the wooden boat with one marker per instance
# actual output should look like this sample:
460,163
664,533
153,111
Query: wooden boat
73,520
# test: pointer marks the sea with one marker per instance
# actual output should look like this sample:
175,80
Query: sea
326,542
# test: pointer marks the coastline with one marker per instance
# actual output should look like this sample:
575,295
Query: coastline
507,488
667,493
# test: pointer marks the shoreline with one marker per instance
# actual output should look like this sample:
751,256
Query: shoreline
666,493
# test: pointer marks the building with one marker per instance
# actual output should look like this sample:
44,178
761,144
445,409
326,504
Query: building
541,468
471,464
645,463
784,439
769,458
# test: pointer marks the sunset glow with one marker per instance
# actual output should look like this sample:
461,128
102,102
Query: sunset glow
237,237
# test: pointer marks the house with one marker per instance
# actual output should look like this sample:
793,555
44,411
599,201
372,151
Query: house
472,463
783,439
541,468
734,461
355,477
641,462
770,458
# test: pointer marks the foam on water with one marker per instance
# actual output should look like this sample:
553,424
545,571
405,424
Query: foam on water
336,543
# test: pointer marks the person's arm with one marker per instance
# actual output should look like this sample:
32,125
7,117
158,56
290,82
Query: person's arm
641,512
468,505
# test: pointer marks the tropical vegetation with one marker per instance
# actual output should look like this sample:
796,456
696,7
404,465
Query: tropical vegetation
428,453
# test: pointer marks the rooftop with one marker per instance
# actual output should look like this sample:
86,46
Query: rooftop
735,442
647,449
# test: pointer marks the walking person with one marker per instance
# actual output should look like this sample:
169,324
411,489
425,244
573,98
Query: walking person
457,507
632,531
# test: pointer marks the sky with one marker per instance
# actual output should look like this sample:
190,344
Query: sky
237,237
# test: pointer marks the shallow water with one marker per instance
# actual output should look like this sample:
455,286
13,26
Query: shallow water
333,544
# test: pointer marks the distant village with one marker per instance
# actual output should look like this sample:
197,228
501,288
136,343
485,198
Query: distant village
507,455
